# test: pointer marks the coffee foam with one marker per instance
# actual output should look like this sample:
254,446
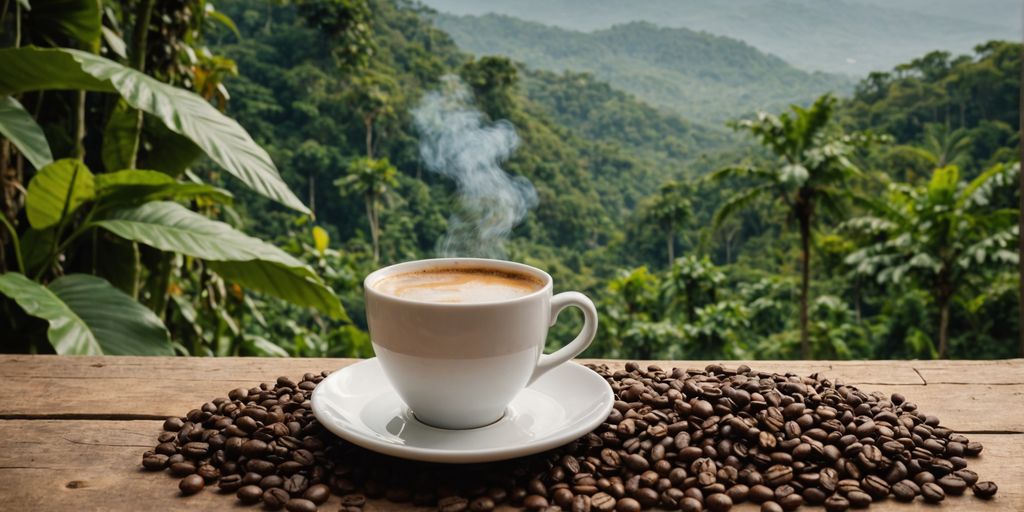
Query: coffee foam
458,285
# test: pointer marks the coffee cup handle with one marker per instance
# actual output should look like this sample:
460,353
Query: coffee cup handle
578,345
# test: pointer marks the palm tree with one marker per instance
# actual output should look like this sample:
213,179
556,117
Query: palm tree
813,162
371,178
939,235
669,209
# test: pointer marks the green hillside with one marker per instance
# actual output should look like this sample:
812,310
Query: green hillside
695,74
852,37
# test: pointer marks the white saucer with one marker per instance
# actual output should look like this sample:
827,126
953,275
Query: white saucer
359,405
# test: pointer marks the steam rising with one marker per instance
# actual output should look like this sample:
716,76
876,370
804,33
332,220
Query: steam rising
457,142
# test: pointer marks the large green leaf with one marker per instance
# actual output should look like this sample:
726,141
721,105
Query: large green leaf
121,137
18,126
64,182
183,112
121,325
78,19
134,187
68,333
236,256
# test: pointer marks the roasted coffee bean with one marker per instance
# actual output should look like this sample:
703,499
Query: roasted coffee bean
905,490
628,505
296,485
191,484
154,462
249,494
483,504
689,504
985,490
271,481
778,474
317,493
932,493
275,498
354,500
718,502
602,502
836,503
858,499
300,505
952,484
535,502
771,506
182,468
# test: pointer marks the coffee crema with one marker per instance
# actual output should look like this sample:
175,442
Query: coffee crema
458,285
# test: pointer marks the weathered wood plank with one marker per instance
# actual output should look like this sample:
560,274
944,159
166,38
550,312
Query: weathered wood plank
1006,371
138,387
94,465
254,369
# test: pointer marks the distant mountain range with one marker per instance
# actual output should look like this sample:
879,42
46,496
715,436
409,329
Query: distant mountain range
838,36
698,75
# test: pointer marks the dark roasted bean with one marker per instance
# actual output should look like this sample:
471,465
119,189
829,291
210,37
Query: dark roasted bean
985,490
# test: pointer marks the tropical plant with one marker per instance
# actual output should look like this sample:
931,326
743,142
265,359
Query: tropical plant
371,178
669,209
941,236
691,283
812,166
82,242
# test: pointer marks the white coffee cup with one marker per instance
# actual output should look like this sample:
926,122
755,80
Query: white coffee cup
459,365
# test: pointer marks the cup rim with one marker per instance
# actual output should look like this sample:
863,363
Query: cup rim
380,273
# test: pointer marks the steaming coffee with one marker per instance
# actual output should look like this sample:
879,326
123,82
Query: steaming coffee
458,285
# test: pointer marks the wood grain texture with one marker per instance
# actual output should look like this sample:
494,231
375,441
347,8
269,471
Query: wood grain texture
73,429
86,465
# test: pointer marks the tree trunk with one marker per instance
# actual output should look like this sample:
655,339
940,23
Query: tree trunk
368,123
805,280
372,220
312,195
943,328
1020,223
671,249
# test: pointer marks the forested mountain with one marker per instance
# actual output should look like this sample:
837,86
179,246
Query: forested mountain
695,74
839,36
591,152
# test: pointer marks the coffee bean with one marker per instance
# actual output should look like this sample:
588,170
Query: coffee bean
602,502
191,484
300,505
637,463
628,505
155,462
182,468
903,490
355,500
771,506
580,504
952,484
483,504
836,503
275,498
535,502
296,485
173,424
778,474
689,504
932,493
858,499
249,494
985,490
317,493
718,502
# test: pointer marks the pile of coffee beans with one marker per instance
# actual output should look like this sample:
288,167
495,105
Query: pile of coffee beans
691,440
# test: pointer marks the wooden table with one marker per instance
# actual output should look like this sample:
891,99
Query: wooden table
73,429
